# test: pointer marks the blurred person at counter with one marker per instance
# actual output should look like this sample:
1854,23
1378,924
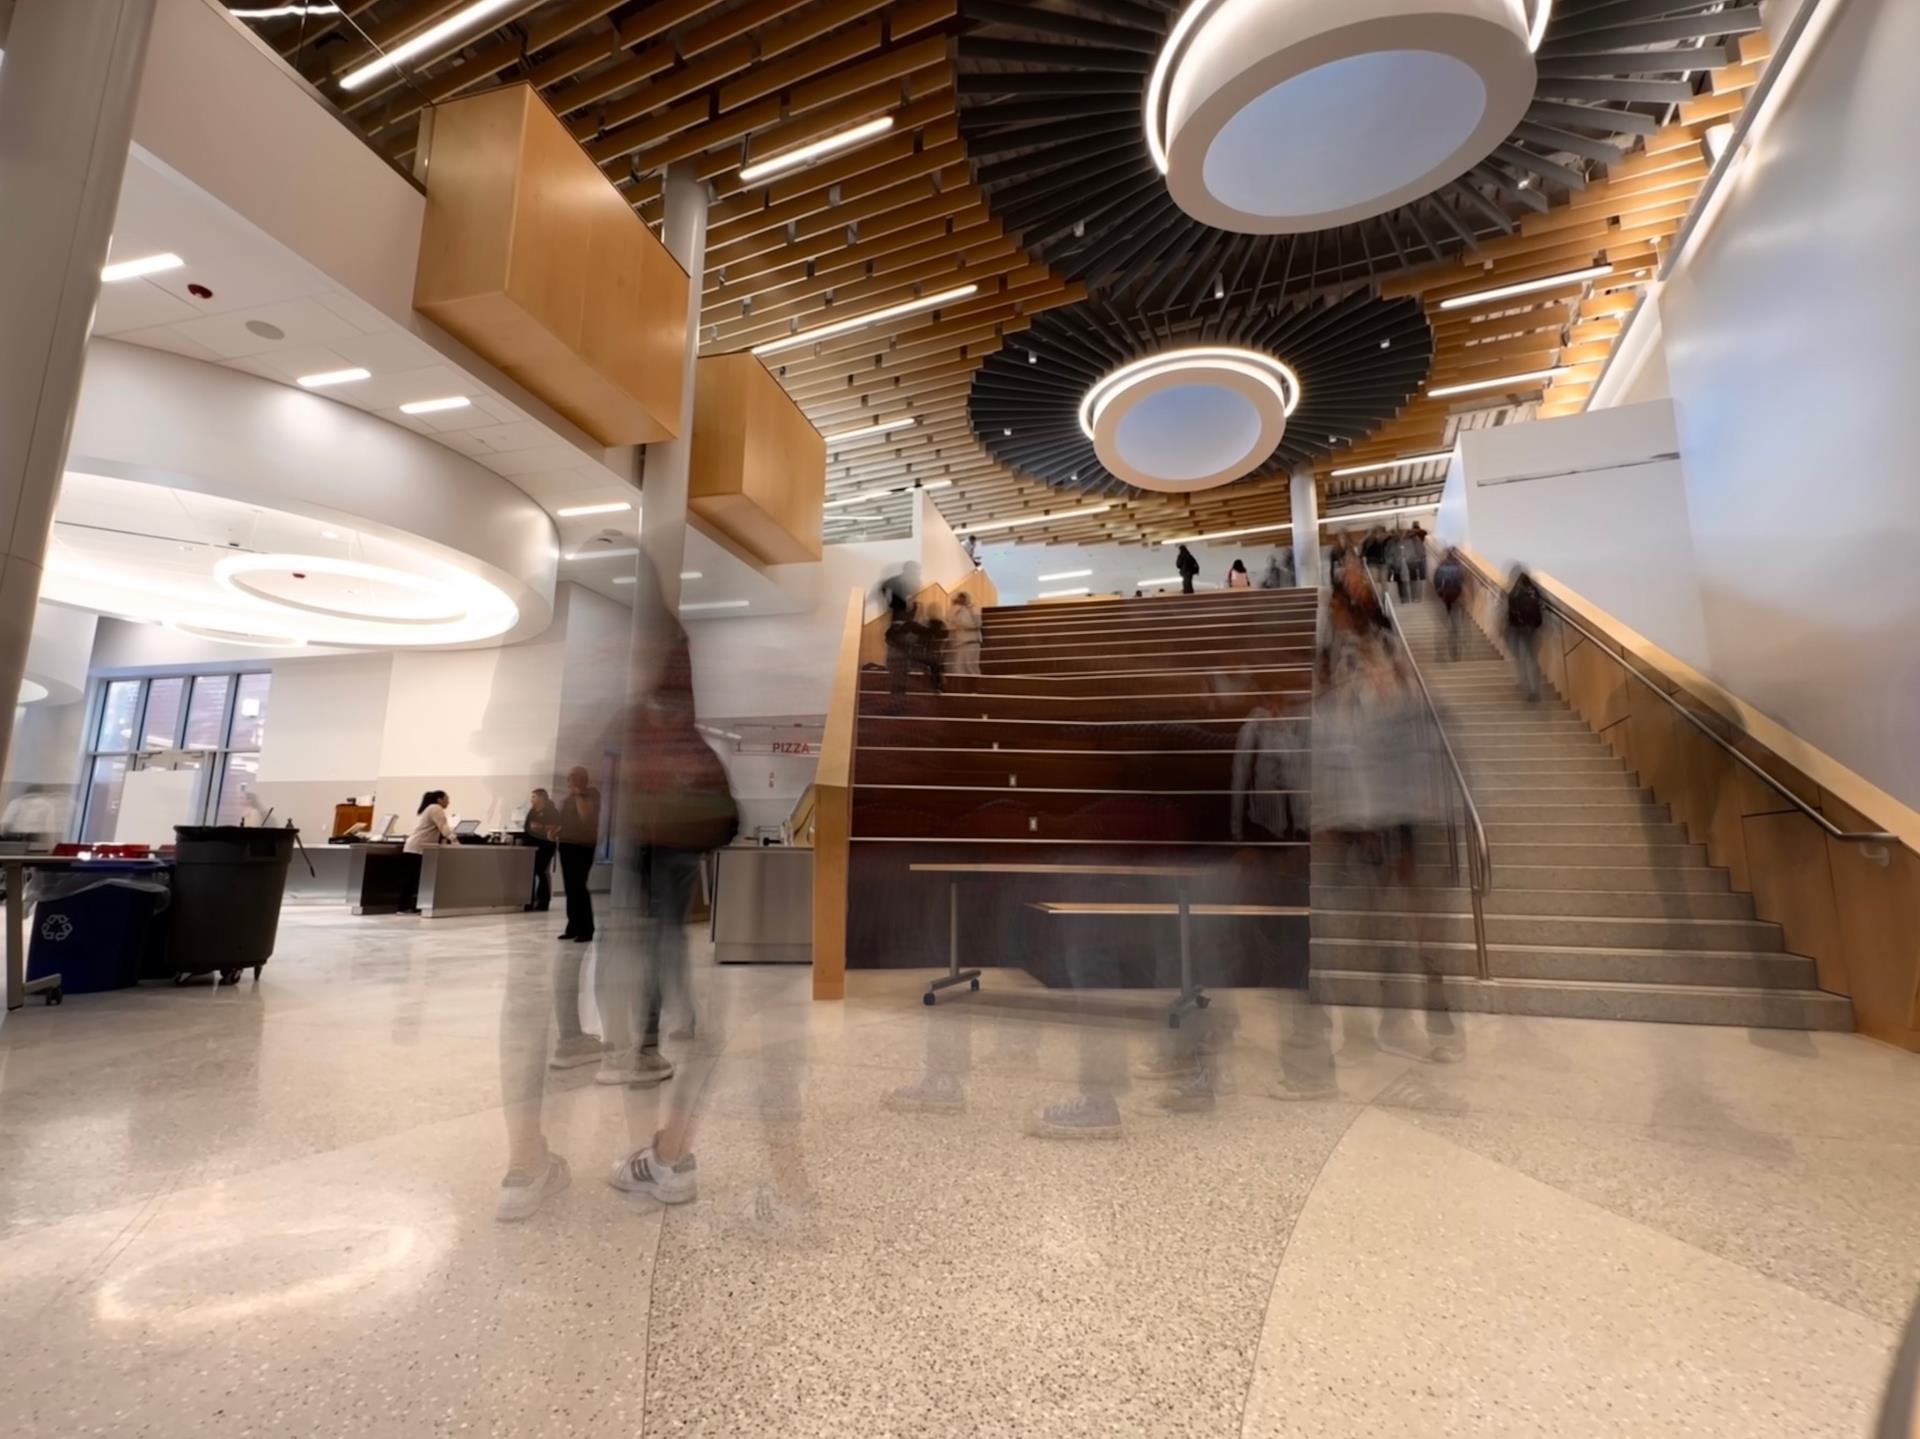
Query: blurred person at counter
432,826
543,828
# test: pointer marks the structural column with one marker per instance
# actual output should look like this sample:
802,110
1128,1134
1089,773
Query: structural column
66,118
1306,528
663,487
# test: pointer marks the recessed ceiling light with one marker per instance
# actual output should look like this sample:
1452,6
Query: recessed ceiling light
1526,377
606,554
1065,575
1061,594
691,575
814,150
329,534
717,605
858,322
612,507
624,579
433,407
1038,519
334,377
133,269
1526,287
1403,461
878,427
425,40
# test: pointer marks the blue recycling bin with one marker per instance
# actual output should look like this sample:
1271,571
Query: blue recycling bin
99,925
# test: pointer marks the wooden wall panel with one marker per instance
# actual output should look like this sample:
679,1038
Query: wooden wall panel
758,470
532,258
1791,876
1879,915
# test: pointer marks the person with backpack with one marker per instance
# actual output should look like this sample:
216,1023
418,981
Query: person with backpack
1185,566
1450,587
1526,611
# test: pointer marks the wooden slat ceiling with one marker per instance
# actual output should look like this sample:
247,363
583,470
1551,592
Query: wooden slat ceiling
985,179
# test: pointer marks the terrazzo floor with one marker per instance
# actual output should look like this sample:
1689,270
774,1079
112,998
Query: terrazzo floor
269,1210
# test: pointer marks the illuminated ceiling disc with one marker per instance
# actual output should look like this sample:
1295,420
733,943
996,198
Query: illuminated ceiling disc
1288,118
1189,420
341,589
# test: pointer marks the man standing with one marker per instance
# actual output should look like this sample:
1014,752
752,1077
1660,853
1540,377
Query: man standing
543,827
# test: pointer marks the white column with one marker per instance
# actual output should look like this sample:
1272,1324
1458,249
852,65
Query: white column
67,95
663,486
1306,529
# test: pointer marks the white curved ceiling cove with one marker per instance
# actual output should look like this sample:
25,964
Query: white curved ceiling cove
1189,419
261,514
1283,118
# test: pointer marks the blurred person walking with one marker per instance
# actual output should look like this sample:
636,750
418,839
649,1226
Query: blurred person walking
1237,576
1450,587
543,828
1279,572
1185,566
963,645
578,835
675,806
1373,550
910,640
1526,612
1416,558
1399,564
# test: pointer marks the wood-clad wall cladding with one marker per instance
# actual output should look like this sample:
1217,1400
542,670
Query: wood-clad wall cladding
534,259
759,469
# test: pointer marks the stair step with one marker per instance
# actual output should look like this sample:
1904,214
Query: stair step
1351,892
1510,768
1603,789
1536,852
1532,832
1591,931
1755,1008
1497,808
1606,878
1597,964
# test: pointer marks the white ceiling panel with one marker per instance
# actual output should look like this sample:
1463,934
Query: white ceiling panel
301,322
137,305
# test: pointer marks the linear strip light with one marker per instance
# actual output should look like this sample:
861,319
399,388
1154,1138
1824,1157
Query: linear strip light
1066,575
691,575
607,554
626,579
434,407
855,497
860,322
1228,534
334,377
1170,52
879,427
277,11
1387,513
1404,460
1037,519
1062,594
425,40
612,507
1526,287
815,150
146,265
1503,383
716,605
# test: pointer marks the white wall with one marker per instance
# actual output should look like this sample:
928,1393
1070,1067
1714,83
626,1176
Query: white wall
1117,569
325,720
1789,340
1599,502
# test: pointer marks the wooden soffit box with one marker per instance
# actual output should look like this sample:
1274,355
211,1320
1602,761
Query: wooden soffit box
535,261
757,468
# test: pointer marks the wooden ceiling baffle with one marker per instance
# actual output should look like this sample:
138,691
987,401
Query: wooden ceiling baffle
758,469
532,257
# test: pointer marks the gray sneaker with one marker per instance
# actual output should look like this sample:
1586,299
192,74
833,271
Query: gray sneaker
1090,1116
644,1172
522,1191
579,1050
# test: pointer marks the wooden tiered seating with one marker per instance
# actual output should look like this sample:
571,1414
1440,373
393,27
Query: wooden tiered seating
1099,733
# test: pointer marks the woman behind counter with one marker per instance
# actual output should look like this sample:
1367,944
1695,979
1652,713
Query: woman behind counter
432,826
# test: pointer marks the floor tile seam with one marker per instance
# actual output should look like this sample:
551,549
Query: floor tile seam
1286,1247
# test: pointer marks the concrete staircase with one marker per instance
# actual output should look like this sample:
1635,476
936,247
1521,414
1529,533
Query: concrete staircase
1600,907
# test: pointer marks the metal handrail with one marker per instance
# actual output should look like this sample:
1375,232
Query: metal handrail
1479,856
1653,682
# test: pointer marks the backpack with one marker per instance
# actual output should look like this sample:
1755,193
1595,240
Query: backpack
1523,607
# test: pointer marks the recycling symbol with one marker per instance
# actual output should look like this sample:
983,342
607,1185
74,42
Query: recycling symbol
56,927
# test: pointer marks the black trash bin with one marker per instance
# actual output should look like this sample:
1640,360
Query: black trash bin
99,925
228,882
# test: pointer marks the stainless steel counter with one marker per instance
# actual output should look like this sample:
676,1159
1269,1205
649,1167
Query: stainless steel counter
763,905
475,879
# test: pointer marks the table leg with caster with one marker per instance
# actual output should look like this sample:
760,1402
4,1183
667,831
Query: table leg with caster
1191,998
955,974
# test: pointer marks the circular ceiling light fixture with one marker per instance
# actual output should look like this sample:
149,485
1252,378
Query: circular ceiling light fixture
1189,419
342,589
1282,118
223,634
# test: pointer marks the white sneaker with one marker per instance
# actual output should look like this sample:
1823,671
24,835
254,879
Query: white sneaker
617,1067
522,1192
579,1050
651,1067
643,1172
